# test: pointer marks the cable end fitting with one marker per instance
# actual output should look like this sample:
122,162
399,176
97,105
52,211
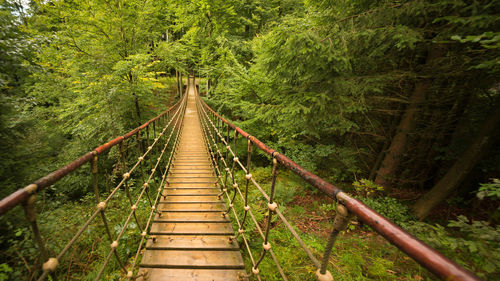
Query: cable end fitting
50,265
324,277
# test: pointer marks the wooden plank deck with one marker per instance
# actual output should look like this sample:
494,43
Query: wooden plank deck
192,236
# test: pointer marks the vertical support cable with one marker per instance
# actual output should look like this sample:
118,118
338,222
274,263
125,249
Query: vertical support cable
101,206
339,224
141,158
246,206
30,213
235,159
272,207
94,176
126,176
148,144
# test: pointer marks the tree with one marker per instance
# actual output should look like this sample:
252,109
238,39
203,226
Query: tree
462,167
15,67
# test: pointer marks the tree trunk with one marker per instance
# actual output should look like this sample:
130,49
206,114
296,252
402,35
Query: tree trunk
378,160
137,109
462,167
207,87
407,124
453,134
181,84
178,83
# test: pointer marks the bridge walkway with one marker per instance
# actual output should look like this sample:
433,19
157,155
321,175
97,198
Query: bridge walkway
192,238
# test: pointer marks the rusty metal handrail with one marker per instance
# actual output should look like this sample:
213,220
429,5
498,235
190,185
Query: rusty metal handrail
21,195
423,254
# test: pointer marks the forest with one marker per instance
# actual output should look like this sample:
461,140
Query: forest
396,102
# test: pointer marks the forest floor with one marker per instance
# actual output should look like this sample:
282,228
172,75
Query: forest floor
359,253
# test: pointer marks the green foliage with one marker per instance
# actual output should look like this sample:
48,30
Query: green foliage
284,193
366,188
489,190
77,74
5,269
15,54
325,84
14,47
91,78
378,269
474,244
390,208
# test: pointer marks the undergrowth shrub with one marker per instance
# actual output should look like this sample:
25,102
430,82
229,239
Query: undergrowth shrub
390,208
491,191
371,194
473,244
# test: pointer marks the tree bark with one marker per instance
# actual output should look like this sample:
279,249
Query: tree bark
207,94
378,160
462,167
181,84
137,109
407,124
178,83
453,134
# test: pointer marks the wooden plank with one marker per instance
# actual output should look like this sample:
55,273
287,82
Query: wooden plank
190,176
191,165
193,259
180,191
190,217
195,181
192,198
189,228
190,169
183,156
191,206
200,183
192,274
200,162
193,194
193,242
189,173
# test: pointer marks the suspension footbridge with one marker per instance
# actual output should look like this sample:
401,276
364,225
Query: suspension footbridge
183,165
